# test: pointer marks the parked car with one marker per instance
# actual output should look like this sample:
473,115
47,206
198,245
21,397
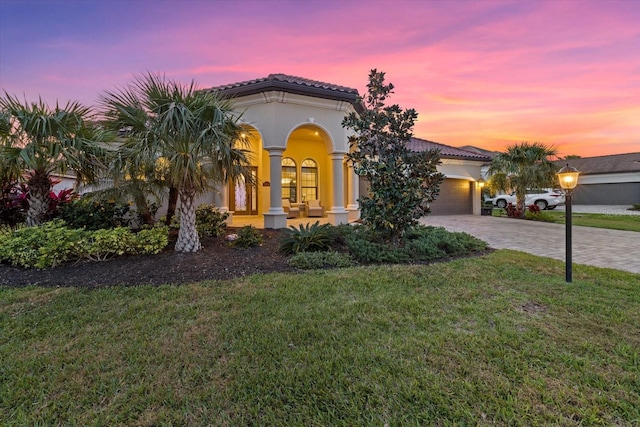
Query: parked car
544,199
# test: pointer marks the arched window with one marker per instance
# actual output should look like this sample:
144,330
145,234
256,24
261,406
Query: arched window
309,180
289,180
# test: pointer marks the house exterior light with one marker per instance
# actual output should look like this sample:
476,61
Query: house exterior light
568,177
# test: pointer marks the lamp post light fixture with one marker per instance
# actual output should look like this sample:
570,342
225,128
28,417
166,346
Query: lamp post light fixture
568,177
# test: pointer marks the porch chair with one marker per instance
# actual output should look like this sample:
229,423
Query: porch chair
291,211
314,208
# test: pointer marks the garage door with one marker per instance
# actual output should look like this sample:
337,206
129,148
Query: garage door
624,193
454,199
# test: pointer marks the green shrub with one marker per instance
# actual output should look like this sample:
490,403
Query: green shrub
210,222
43,246
369,251
313,260
94,214
174,224
248,237
151,241
427,243
308,238
420,243
104,244
53,243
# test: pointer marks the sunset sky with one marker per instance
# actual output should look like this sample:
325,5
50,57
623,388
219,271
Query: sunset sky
483,73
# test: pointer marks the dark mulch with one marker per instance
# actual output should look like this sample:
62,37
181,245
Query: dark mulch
217,260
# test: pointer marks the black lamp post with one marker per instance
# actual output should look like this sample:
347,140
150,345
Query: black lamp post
568,177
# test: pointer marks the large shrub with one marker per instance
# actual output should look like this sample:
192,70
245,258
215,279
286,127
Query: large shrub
402,182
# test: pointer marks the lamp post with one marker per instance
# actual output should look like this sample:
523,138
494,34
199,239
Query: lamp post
568,177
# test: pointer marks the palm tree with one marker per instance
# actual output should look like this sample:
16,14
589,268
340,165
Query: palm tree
195,132
522,166
38,141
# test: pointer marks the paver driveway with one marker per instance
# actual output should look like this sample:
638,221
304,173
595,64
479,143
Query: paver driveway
592,246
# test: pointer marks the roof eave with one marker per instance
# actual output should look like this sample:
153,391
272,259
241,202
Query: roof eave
293,88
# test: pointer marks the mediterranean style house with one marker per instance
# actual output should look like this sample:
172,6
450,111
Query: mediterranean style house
299,154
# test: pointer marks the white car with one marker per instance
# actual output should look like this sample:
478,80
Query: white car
544,199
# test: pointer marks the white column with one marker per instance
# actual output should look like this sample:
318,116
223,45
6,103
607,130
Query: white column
354,192
476,193
275,217
337,214
221,197
221,200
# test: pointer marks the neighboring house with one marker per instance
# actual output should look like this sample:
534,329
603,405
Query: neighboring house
63,182
299,153
607,180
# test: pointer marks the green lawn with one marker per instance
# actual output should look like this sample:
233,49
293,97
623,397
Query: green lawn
614,222
500,339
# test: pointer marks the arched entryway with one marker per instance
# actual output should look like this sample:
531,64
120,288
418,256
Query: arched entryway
306,166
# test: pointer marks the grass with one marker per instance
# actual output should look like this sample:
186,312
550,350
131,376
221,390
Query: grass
614,222
610,221
499,339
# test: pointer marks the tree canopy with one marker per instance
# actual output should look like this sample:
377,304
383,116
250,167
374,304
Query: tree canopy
403,183
196,133
39,141
523,166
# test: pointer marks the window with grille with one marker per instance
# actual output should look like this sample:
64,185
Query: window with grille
289,180
309,180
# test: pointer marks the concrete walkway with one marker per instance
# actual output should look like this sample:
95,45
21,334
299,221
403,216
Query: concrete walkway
592,246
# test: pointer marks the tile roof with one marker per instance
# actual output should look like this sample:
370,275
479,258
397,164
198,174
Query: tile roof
479,150
291,84
446,151
278,77
614,163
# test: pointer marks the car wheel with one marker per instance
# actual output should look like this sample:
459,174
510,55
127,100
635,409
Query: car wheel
542,204
501,203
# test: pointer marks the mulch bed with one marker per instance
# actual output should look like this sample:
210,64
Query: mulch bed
217,260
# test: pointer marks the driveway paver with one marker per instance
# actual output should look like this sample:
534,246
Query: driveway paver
591,246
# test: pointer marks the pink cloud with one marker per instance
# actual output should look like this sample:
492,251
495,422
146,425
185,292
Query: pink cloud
481,72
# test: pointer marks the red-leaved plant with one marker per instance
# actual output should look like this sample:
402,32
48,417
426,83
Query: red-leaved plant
514,212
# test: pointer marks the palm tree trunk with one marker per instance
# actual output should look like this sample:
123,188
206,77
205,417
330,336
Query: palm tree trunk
39,198
188,239
173,202
520,206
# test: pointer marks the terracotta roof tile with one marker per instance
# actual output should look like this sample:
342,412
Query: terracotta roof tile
446,151
286,79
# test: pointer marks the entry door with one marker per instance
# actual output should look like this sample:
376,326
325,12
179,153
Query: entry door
244,195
